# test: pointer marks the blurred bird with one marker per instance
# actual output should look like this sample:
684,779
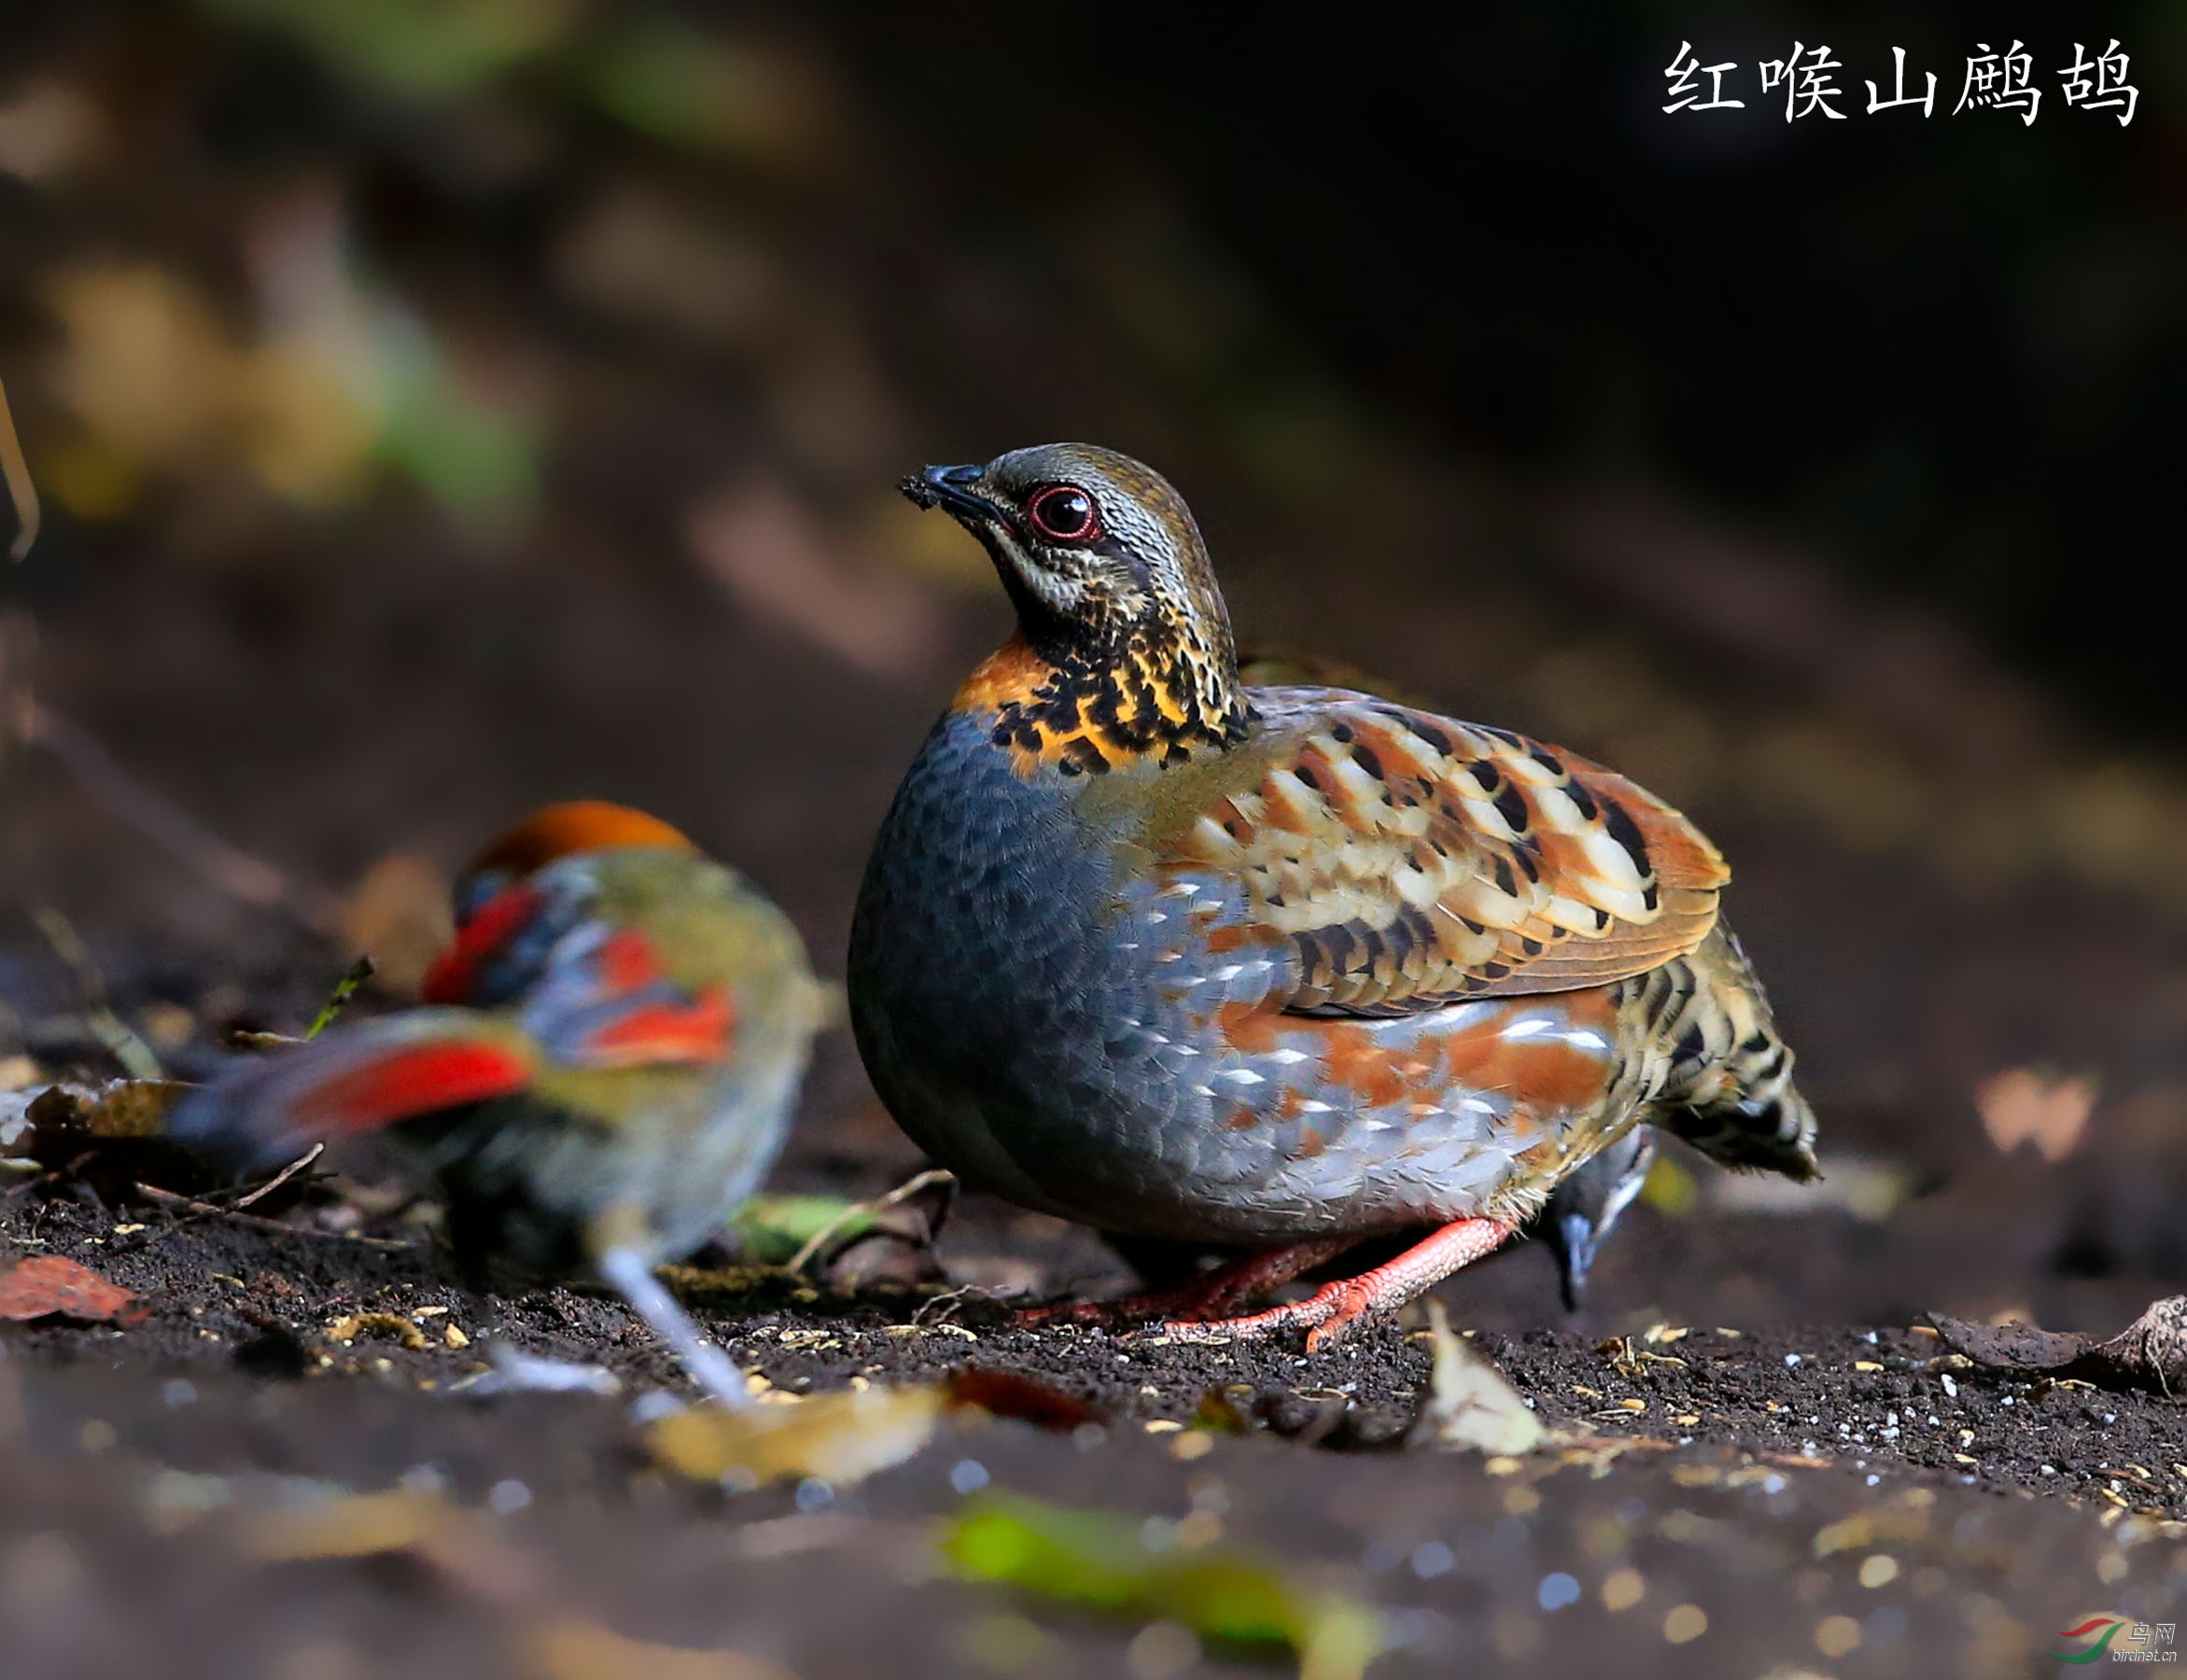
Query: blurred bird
1287,967
1577,1219
604,1068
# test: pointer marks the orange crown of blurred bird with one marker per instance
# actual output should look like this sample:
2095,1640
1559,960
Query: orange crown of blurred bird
604,1068
1279,967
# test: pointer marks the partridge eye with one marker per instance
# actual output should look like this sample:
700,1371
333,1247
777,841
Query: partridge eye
1062,513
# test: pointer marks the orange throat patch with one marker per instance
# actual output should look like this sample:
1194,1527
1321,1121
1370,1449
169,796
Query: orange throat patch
1147,703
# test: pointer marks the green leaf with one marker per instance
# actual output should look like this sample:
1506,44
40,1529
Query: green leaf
772,1228
1099,1560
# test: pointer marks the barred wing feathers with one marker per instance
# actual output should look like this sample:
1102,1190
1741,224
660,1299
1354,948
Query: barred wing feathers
1410,861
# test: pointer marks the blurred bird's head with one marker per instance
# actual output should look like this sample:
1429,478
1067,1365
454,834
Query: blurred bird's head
1109,575
555,831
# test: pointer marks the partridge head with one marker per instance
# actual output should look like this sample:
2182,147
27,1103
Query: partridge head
1122,631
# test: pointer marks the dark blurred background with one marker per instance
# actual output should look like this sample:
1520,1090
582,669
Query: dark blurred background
443,407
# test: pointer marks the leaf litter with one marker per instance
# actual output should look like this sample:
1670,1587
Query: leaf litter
1102,1561
1470,1406
2150,1352
47,1284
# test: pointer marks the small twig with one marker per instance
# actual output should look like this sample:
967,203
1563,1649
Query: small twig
173,831
949,1301
361,970
244,1038
910,1187
19,489
281,1178
167,1198
121,1038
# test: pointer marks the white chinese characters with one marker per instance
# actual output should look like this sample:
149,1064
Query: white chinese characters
1684,68
1805,76
1899,94
2000,81
2110,92
1992,81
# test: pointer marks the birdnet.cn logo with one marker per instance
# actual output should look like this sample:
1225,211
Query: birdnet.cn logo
2121,1640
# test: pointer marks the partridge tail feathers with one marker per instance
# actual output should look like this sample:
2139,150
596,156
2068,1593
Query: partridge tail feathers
1729,1090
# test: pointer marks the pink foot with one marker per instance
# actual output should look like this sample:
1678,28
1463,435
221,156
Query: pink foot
1327,1315
1208,1297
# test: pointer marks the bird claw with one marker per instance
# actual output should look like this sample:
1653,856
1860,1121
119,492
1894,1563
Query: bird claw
1212,1298
1193,1302
1107,1314
1328,1317
1334,1310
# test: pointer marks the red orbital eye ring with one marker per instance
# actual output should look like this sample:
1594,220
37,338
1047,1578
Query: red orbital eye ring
1064,513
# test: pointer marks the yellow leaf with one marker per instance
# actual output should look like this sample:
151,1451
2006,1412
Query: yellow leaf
841,1438
360,1526
1469,1405
575,1649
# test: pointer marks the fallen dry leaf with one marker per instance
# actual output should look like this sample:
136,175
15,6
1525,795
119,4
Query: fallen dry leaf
468,1553
574,1648
453,1542
120,1108
2150,1352
110,1138
1470,1406
1907,1517
359,1526
841,1438
1009,1394
2022,1105
48,1283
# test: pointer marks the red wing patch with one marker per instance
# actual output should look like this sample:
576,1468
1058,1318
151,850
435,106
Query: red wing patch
625,962
454,975
700,1030
399,1083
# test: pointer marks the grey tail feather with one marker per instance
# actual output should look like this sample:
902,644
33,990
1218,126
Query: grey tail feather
1771,1133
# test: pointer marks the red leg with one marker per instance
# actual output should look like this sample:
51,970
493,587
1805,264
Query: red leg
1328,1314
1208,1297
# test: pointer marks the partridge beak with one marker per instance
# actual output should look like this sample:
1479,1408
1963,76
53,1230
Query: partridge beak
950,488
1576,1240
